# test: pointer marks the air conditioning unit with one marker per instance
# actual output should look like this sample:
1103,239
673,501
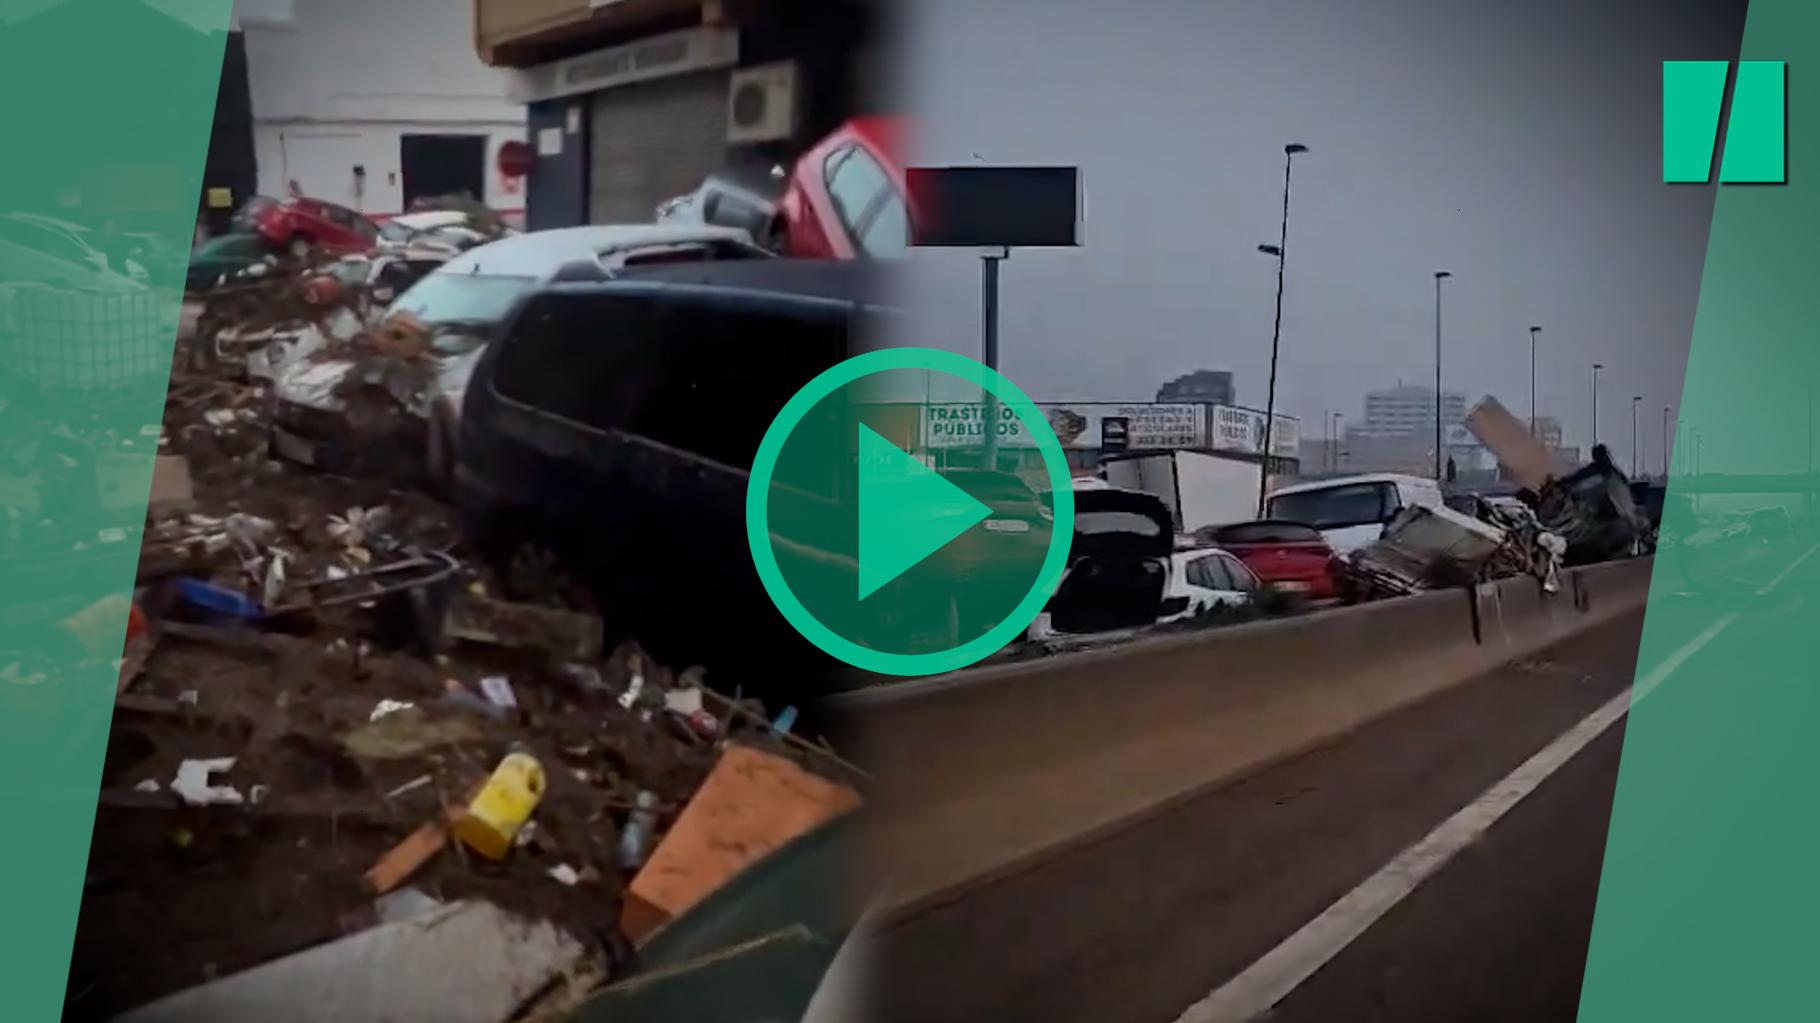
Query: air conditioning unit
762,103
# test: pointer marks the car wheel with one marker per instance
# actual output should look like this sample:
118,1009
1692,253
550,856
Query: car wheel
299,247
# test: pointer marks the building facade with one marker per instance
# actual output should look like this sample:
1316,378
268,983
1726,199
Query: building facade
374,105
633,103
1209,385
1411,409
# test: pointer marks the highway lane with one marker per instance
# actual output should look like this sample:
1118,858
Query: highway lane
1501,932
1146,922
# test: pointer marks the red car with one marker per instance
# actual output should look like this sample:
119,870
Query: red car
846,196
843,199
304,225
1286,555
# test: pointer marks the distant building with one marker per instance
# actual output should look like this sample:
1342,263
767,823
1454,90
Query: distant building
1411,409
1548,431
1213,386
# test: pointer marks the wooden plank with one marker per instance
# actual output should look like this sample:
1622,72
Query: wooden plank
752,803
406,858
1522,456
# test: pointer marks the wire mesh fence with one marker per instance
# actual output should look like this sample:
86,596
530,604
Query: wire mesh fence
65,341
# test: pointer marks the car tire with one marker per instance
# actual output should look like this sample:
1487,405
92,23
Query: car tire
299,247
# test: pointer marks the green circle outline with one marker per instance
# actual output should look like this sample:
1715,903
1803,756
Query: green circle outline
758,515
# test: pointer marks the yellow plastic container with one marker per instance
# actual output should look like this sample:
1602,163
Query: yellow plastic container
490,823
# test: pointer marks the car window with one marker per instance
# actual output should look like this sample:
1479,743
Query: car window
855,181
461,298
727,372
1352,504
707,378
887,235
1242,577
578,356
1098,522
1208,573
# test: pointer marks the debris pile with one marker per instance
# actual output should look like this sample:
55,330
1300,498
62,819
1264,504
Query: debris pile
1592,509
329,726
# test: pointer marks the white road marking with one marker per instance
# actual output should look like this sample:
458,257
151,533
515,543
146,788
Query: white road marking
1272,978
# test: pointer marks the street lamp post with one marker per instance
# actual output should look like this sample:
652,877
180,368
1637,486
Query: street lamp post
1533,331
1636,438
1596,367
1338,418
1440,275
1279,250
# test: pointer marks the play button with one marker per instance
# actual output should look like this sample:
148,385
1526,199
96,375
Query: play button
906,511
893,549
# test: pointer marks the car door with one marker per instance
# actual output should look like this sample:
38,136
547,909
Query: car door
1244,583
1209,584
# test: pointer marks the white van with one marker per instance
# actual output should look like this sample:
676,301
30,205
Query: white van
1351,511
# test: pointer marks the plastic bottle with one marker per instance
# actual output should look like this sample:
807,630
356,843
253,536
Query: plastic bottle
510,796
639,827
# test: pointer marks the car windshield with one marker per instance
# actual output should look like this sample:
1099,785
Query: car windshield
1354,504
42,239
445,298
393,231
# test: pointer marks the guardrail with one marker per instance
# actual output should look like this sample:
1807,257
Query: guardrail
983,772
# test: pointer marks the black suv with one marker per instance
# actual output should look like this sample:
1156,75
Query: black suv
606,443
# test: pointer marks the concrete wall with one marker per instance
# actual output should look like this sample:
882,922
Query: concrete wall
980,772
335,83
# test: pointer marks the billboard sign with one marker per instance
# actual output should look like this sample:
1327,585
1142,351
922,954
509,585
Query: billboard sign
1078,426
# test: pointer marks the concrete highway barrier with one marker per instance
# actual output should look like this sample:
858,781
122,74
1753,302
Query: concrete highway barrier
983,772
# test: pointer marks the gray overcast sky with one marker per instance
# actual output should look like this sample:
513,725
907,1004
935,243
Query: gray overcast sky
1515,144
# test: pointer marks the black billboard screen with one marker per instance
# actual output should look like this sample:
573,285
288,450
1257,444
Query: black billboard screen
988,207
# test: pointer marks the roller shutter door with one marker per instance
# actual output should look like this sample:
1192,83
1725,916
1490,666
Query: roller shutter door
652,141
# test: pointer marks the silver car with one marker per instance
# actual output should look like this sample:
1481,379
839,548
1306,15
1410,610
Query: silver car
461,303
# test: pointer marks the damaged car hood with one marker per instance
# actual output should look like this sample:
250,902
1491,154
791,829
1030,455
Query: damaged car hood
317,380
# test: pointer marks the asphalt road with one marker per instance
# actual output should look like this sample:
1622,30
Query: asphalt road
1146,923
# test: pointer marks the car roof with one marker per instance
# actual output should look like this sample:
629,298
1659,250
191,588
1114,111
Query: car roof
833,280
542,253
52,222
429,219
1346,481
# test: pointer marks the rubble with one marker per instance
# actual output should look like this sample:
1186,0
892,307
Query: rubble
1591,509
302,731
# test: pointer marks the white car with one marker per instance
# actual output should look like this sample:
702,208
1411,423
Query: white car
1128,571
1351,511
1206,580
443,229
69,241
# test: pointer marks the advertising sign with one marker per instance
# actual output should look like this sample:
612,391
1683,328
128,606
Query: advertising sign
1077,426
1241,431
